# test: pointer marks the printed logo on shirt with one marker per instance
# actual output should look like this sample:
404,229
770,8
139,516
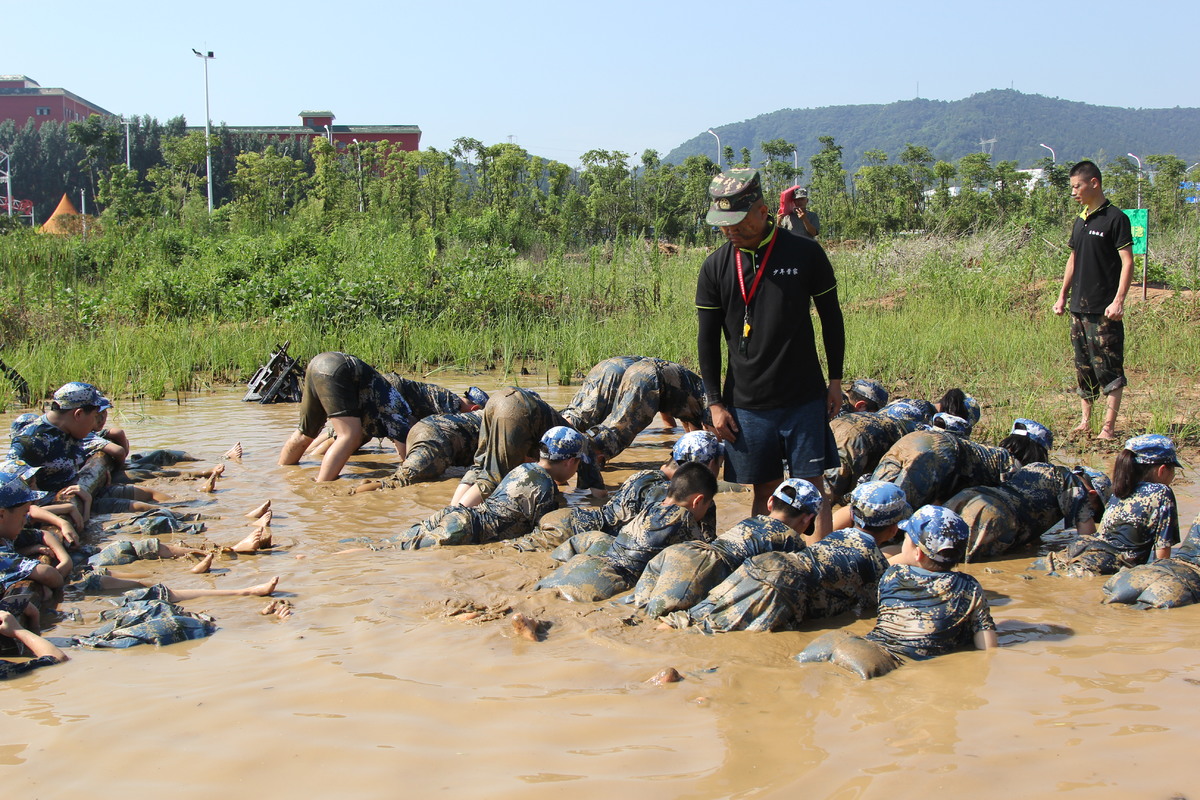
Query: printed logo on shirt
1096,233
786,271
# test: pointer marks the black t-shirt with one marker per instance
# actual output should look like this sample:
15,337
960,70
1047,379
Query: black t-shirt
1096,241
781,366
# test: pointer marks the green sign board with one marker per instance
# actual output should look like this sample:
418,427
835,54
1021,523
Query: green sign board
1139,220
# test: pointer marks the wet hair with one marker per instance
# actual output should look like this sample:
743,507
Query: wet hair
1024,449
855,397
933,565
1086,170
692,479
954,401
1127,474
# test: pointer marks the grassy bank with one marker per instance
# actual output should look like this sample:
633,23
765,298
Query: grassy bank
167,311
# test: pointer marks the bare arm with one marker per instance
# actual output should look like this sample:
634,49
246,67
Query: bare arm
1116,309
986,640
1068,276
64,565
65,528
33,643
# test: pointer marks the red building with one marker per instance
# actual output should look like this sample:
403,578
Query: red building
320,123
22,99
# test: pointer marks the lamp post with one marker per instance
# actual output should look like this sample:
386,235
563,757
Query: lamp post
1139,181
1053,157
795,165
207,125
714,133
358,152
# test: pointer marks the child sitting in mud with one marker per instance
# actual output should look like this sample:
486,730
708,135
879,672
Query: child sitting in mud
27,583
639,492
837,574
681,575
526,493
1166,583
1140,522
926,609
613,565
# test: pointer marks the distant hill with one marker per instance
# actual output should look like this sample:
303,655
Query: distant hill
952,129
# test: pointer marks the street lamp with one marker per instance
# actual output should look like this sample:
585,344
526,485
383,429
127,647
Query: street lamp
126,122
714,133
1053,157
1139,182
795,165
207,125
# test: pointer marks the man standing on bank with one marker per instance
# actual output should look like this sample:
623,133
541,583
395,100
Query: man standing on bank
1097,279
756,289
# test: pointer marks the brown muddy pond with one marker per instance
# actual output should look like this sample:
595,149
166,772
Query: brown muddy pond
370,690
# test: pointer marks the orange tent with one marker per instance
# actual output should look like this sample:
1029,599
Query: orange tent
66,220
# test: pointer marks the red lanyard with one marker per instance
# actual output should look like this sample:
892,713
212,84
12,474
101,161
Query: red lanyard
746,298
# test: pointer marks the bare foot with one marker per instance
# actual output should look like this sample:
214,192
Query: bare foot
284,609
210,485
264,521
1107,433
270,608
258,539
367,486
204,565
525,627
1082,427
263,589
668,675
234,453
258,511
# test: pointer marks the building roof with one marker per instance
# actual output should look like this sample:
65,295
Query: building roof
304,130
44,91
316,113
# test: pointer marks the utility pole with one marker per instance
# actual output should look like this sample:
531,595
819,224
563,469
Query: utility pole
207,126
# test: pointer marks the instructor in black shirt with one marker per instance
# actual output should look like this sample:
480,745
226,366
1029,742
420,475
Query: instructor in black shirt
755,292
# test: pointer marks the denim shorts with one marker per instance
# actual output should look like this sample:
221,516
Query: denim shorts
797,435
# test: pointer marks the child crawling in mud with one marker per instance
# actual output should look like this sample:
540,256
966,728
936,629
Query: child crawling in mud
926,609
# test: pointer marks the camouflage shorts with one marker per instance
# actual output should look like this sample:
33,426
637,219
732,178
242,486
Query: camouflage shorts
1099,354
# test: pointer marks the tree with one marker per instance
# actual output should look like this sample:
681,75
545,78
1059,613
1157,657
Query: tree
778,171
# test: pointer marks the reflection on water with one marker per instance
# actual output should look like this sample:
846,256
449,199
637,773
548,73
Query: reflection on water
370,690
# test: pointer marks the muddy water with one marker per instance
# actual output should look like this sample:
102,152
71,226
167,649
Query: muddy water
370,690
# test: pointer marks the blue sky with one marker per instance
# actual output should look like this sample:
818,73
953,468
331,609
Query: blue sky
562,78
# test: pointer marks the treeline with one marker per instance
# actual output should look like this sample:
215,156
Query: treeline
502,195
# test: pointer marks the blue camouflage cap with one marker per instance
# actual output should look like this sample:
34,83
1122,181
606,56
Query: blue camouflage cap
14,492
23,420
1100,482
870,390
77,395
562,443
1153,448
803,496
939,533
698,446
877,504
733,192
904,411
477,396
951,424
15,466
1035,431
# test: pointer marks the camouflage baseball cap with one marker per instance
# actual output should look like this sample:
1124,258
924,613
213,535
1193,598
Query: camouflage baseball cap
800,495
562,443
1153,448
876,504
799,192
14,492
1035,431
871,390
939,533
972,409
477,396
15,466
951,424
733,192
77,395
698,446
904,411
23,420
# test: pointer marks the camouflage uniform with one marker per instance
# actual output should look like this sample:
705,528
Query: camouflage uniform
1131,529
1167,583
58,453
925,614
862,439
589,577
1021,509
514,421
682,575
525,494
931,465
336,384
11,669
126,551
650,386
424,399
772,590
594,400
436,443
